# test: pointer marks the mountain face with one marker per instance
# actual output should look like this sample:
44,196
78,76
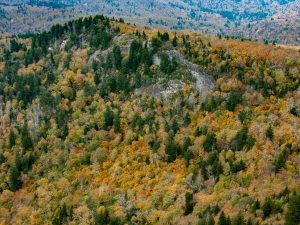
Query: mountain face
103,122
275,21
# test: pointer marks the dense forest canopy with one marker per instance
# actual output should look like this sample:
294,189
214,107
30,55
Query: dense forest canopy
104,122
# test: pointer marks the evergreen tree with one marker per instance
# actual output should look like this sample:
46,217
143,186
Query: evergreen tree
222,219
188,155
117,57
156,44
187,143
18,161
117,123
137,80
187,119
102,218
62,123
134,55
292,216
166,65
210,220
59,215
14,178
255,206
281,159
209,142
15,46
2,158
171,149
165,37
108,118
238,220
200,131
174,41
249,222
212,157
270,133
267,208
146,59
12,139
175,126
217,169
234,99
144,35
25,137
189,205
237,166
241,138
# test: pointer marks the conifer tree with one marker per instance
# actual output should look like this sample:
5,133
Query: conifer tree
292,216
270,133
222,219
108,118
171,149
117,124
234,99
189,206
18,161
174,41
134,57
12,139
209,142
117,57
14,178
281,159
267,208
238,220
25,137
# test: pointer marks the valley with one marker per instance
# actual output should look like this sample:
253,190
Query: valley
270,21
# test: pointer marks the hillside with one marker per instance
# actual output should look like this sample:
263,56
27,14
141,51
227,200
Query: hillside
273,21
104,122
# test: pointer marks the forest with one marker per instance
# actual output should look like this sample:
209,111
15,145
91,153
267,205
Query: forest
104,122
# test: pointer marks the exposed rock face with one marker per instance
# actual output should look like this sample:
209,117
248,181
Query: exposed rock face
124,42
204,82
159,90
99,56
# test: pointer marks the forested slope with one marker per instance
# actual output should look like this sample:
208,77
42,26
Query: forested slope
108,123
